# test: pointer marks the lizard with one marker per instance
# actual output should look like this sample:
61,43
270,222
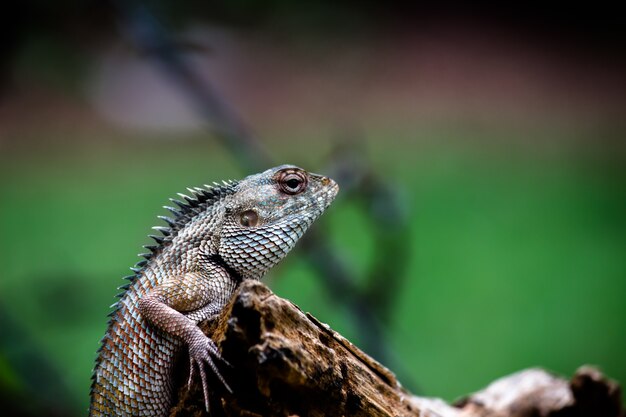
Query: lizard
218,236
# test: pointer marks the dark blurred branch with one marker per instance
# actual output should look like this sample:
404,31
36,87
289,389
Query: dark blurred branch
147,35
386,219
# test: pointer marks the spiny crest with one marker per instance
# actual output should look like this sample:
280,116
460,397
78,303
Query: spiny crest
199,200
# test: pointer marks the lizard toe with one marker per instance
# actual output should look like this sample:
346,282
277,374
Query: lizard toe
201,354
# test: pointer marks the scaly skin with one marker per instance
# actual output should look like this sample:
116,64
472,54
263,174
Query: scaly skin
218,237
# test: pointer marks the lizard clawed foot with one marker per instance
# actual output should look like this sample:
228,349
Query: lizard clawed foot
203,351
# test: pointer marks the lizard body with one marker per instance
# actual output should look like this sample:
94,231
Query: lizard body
217,237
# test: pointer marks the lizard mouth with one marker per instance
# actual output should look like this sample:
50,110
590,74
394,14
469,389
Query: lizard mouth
327,194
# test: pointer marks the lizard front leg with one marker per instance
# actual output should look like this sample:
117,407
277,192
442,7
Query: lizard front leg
179,303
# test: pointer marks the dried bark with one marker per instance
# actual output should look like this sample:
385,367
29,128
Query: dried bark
287,363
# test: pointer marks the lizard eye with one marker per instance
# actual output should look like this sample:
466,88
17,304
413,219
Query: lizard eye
249,218
292,183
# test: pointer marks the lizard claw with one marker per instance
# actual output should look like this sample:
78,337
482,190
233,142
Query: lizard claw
203,351
224,361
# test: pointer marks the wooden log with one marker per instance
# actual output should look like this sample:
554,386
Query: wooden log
287,363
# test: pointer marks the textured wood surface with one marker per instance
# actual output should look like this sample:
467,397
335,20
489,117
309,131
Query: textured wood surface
287,363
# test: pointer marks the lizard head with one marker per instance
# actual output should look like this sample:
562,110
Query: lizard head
267,215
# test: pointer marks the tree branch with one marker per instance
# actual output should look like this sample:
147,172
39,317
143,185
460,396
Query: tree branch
286,363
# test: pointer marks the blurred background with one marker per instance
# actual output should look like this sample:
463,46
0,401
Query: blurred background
481,227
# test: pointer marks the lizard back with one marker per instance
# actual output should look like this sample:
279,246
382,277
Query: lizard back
133,371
